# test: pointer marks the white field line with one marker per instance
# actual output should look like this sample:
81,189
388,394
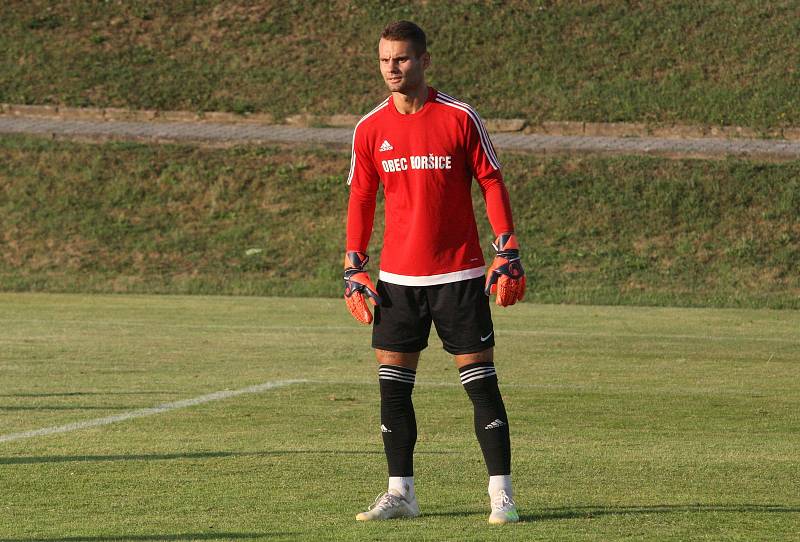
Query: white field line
333,328
142,412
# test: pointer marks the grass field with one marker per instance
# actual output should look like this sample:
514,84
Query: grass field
711,62
627,423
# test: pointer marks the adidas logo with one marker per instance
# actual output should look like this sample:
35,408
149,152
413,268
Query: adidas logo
494,425
386,146
385,429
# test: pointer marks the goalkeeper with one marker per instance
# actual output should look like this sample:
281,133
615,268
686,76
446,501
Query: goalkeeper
425,148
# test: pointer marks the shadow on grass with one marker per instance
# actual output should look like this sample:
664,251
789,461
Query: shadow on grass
84,393
452,514
595,511
152,537
65,407
589,511
23,460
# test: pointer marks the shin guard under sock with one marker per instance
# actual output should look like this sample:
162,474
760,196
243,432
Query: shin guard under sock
491,422
398,423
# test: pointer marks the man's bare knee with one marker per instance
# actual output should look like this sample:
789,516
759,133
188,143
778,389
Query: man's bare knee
409,360
477,357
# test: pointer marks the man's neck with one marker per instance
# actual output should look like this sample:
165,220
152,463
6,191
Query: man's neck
408,104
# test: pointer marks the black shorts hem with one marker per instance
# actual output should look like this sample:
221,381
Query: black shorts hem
399,349
474,349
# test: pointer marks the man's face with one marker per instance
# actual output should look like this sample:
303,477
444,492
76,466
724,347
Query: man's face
402,70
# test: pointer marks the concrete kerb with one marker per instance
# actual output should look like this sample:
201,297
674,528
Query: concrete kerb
665,131
228,128
518,125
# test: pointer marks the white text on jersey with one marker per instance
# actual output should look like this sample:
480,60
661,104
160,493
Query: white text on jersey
428,161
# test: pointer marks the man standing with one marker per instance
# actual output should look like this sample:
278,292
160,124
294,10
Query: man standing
425,147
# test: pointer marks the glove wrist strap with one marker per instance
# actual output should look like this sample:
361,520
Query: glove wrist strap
356,260
506,243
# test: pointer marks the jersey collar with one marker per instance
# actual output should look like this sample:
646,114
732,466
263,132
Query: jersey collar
413,116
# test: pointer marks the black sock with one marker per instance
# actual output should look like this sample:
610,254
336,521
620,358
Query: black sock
398,422
491,422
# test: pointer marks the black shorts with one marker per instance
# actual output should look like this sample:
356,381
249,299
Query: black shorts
459,310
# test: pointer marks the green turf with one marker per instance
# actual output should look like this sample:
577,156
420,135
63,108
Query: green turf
627,423
269,220
711,62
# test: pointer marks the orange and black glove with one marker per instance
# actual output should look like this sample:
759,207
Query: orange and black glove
357,284
506,277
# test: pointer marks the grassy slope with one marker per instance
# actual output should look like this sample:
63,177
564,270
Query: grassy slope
627,423
126,217
720,62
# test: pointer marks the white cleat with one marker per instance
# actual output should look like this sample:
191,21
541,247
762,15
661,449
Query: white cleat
503,509
390,505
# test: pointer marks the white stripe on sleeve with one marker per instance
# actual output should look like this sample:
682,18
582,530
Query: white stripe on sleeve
486,143
353,147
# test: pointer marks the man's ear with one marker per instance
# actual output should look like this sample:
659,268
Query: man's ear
426,60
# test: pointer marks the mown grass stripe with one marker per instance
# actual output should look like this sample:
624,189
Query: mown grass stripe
310,329
143,412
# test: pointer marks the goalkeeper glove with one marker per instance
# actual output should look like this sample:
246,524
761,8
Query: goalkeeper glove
357,284
506,277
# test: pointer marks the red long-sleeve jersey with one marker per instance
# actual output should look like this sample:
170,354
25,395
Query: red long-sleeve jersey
426,162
